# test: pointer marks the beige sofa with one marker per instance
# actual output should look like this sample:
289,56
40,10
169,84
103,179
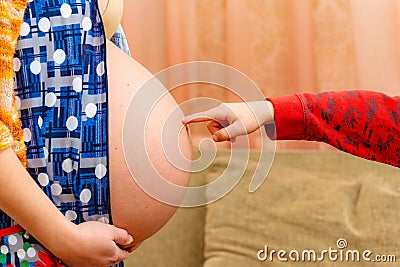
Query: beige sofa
309,201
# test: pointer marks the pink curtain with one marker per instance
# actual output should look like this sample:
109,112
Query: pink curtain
285,46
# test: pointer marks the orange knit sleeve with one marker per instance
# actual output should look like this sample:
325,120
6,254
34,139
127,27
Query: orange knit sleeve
11,134
6,138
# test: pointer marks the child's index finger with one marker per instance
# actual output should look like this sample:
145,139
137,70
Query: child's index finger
195,118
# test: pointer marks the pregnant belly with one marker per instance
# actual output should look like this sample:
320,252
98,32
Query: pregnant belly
131,208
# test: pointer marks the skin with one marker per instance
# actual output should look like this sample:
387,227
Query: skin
92,243
87,244
102,5
113,16
230,120
132,209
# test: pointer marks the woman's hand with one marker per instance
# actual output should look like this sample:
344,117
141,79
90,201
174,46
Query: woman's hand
229,120
87,244
94,244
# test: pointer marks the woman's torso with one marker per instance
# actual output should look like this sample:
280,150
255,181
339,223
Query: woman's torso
61,92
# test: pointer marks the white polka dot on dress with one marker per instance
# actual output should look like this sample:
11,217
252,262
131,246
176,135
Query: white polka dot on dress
43,179
67,165
21,253
100,69
31,252
35,67
27,235
66,10
17,64
44,24
18,102
59,56
12,240
72,123
71,215
100,171
56,189
50,99
40,122
85,195
45,152
91,110
25,29
104,219
4,249
77,84
86,24
27,135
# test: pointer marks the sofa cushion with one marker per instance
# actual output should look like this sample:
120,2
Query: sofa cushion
308,202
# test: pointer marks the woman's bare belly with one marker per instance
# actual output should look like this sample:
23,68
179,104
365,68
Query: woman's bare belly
131,208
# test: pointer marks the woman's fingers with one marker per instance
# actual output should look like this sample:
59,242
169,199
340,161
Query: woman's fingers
133,248
121,256
122,238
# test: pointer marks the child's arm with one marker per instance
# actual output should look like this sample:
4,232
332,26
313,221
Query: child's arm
363,123
87,244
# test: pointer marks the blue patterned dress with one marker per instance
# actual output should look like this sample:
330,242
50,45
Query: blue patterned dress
61,89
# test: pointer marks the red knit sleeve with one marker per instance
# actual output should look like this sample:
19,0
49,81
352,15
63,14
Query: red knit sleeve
363,123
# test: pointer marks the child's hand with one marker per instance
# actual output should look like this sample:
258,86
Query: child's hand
94,244
229,120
